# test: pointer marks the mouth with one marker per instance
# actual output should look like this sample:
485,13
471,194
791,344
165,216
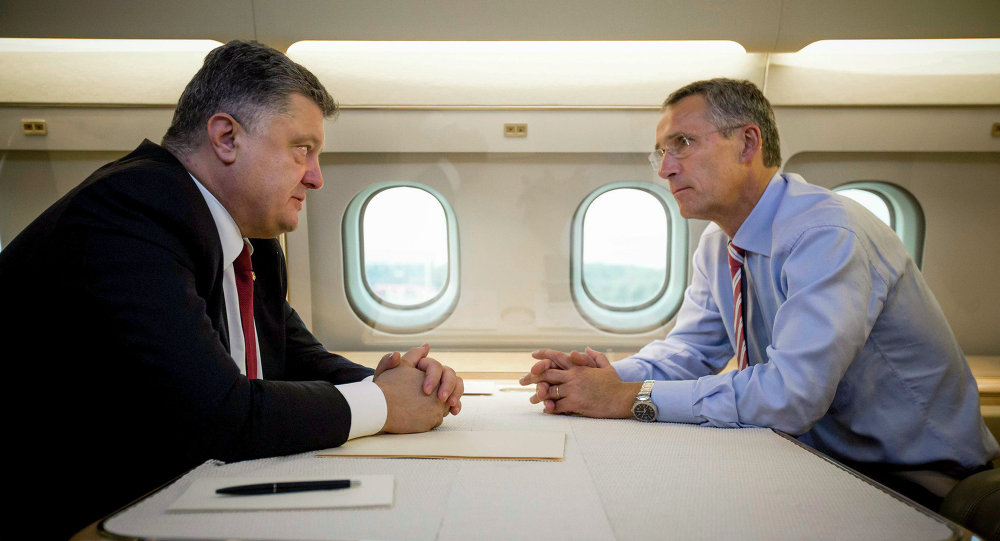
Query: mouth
675,191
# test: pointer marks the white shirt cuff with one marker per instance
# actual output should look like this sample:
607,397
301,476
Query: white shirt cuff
368,409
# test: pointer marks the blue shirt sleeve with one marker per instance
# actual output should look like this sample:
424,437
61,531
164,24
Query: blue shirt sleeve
697,346
824,273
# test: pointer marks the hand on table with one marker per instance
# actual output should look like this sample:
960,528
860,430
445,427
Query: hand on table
436,376
582,383
408,408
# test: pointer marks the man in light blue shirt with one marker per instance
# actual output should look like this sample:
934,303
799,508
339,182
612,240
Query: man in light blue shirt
847,348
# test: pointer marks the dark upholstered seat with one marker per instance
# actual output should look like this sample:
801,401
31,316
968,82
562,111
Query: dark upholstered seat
975,504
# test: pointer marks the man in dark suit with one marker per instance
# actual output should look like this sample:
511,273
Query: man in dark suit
127,355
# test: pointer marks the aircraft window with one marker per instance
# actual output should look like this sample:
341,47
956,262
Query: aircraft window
871,200
896,207
400,257
624,248
628,261
406,260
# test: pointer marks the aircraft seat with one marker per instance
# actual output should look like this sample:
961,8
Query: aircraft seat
975,504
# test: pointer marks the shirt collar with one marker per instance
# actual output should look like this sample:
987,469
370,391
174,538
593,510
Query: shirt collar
229,232
755,233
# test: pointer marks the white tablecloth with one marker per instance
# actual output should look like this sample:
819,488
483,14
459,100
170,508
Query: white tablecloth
621,479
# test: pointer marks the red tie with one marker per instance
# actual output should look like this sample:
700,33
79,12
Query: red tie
736,271
244,287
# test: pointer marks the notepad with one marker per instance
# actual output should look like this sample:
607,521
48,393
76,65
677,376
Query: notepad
375,490
495,445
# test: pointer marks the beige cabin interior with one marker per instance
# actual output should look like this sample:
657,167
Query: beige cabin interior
931,129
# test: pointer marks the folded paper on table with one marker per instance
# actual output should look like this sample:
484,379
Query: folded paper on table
503,445
375,490
475,387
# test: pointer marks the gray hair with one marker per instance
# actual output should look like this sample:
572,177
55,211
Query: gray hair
246,80
731,104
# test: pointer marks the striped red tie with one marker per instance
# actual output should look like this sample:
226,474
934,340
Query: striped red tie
243,269
736,271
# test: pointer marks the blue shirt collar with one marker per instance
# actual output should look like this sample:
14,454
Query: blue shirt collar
755,234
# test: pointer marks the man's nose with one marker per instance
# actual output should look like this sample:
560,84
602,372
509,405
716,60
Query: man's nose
313,178
669,167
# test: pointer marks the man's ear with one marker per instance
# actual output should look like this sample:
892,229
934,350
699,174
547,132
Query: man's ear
752,143
222,132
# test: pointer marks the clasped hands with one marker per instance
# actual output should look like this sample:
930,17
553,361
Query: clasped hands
419,391
581,383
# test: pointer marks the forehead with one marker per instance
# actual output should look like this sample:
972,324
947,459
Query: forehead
303,118
687,115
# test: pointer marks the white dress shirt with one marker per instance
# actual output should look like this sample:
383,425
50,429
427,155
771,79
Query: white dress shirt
365,398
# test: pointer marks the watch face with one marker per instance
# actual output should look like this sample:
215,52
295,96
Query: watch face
644,412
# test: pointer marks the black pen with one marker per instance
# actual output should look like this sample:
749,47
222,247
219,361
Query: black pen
288,486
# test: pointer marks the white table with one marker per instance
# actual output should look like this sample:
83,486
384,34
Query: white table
621,479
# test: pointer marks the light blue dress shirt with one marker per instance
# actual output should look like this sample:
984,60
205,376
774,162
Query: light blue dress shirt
849,350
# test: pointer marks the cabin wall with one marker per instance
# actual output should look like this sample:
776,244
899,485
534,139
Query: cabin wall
514,212
31,180
514,199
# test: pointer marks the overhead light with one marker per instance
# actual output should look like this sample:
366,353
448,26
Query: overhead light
53,45
914,46
98,71
561,47
898,56
628,73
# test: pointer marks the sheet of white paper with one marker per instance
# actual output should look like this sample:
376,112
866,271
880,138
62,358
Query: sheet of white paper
479,387
488,444
375,490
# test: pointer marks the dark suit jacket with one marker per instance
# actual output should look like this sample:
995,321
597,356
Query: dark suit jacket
113,340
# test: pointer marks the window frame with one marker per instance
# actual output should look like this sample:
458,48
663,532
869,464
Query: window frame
907,216
662,307
379,313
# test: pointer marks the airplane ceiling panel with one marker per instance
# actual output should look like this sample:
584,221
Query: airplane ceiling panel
752,23
806,21
221,20
758,25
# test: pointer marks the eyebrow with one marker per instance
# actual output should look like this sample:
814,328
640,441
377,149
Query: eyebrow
658,146
311,139
668,137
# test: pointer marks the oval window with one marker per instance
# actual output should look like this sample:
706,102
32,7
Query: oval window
404,236
874,202
628,256
896,207
625,248
401,270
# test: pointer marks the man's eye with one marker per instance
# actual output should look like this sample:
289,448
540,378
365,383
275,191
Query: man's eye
679,143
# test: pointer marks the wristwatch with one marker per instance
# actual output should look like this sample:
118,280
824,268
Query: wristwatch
643,408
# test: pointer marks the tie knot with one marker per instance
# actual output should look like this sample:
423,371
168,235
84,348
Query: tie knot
736,253
243,265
